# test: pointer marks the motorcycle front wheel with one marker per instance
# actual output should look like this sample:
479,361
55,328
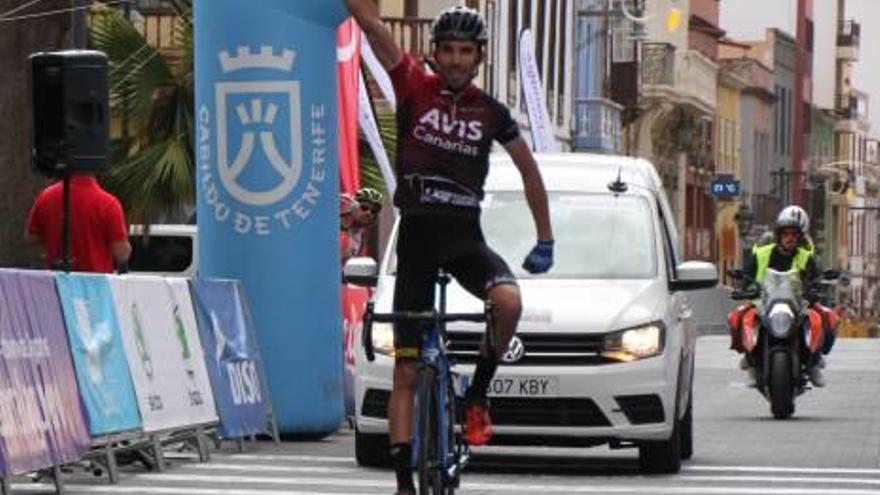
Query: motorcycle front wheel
781,388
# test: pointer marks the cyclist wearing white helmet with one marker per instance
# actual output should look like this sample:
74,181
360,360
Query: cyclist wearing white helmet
446,129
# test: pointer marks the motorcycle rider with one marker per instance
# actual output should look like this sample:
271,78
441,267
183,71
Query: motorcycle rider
769,236
791,250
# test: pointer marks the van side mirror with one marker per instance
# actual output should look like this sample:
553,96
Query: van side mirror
694,275
361,271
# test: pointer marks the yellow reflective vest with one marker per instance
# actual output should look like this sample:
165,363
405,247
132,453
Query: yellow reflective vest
763,254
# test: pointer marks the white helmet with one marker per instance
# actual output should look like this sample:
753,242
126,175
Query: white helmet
793,216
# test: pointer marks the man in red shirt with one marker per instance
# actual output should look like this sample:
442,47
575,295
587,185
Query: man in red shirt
98,233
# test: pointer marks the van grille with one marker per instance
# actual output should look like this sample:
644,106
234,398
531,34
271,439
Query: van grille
516,411
552,349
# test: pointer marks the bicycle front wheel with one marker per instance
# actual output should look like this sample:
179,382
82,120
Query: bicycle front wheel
430,477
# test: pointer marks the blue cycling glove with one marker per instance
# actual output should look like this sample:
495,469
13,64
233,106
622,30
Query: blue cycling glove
540,259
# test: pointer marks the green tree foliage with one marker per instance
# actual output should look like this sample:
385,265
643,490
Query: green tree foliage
152,168
371,176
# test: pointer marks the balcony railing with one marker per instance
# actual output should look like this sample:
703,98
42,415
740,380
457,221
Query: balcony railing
847,105
597,125
658,64
848,34
151,5
698,78
412,34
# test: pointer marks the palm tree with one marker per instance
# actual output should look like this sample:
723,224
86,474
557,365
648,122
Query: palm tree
153,159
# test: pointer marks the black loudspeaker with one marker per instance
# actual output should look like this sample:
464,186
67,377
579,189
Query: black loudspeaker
70,105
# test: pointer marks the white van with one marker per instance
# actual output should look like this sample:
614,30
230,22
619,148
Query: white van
167,249
607,332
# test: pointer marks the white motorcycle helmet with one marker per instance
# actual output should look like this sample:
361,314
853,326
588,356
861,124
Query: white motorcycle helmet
793,216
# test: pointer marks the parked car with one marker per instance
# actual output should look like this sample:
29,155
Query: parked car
605,347
167,249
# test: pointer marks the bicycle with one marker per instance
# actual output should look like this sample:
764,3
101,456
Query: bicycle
440,452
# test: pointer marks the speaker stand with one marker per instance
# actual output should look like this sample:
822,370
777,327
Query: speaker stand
66,261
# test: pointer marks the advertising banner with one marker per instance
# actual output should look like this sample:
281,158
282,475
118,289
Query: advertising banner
380,75
98,353
232,357
268,188
164,353
533,90
41,419
349,76
370,127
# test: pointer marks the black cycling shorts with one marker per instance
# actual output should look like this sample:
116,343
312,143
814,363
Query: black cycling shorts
428,242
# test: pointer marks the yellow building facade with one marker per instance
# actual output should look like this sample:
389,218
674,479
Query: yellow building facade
727,145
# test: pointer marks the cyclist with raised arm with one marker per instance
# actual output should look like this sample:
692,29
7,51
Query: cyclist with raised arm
446,128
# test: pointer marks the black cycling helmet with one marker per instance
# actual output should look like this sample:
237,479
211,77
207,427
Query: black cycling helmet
459,24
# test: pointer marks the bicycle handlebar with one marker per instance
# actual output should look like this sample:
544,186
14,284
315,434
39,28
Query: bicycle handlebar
433,316
427,316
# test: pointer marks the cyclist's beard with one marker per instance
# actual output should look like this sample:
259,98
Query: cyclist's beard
458,81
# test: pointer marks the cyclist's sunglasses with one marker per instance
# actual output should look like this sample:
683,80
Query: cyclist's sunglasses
372,208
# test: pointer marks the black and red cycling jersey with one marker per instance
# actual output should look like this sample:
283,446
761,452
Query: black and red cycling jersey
444,140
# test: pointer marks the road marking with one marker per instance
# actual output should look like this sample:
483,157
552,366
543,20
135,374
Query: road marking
269,468
685,468
492,487
776,469
784,479
288,457
505,487
167,490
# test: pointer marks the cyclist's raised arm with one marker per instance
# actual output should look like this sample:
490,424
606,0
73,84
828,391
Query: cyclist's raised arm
533,184
366,13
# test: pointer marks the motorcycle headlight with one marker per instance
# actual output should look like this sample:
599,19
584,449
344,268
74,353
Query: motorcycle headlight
383,338
781,321
635,343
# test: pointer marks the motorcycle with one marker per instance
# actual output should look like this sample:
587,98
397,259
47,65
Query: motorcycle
781,336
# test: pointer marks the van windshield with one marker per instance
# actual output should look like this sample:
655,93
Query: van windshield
598,236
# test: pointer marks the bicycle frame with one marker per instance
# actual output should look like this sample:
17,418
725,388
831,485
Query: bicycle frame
452,458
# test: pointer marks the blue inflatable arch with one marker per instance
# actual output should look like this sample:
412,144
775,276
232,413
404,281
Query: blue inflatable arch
267,188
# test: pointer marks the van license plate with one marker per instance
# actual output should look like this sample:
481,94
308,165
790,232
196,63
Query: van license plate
524,386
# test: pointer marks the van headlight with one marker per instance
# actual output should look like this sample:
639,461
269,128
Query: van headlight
383,338
635,343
